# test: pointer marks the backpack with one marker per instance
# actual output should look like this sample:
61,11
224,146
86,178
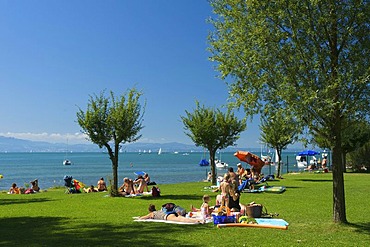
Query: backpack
155,191
170,208
180,211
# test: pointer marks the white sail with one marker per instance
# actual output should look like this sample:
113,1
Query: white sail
159,151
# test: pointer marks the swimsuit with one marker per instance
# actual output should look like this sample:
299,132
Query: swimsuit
159,215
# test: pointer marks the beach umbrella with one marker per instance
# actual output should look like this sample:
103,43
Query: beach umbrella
251,159
308,153
204,162
139,173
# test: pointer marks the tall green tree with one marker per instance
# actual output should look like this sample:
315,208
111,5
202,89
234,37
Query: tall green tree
278,130
358,159
354,136
213,130
312,55
112,121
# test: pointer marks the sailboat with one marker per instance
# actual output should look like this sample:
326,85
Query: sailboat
66,161
204,161
159,151
220,164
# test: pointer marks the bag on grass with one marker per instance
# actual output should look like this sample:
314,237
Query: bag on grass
155,191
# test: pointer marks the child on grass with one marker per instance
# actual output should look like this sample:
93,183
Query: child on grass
204,209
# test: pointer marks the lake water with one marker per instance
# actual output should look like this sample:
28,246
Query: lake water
167,168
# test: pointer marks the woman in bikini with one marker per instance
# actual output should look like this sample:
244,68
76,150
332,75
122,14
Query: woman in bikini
222,200
127,187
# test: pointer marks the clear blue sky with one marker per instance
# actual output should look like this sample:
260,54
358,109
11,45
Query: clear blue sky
54,54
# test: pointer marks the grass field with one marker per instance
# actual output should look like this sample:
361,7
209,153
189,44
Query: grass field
54,218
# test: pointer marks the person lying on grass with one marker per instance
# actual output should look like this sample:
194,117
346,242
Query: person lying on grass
173,216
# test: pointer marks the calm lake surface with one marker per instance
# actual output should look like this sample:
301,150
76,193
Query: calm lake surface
167,168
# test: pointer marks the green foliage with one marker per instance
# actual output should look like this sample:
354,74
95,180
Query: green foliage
212,129
356,135
112,121
358,159
311,55
54,218
279,129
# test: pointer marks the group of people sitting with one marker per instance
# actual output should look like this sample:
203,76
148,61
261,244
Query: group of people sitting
229,197
14,189
101,186
135,187
250,175
228,187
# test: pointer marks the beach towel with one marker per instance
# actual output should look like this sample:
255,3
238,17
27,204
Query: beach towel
138,195
273,189
195,215
274,222
167,221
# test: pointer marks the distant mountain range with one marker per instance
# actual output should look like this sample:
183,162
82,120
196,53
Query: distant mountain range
10,144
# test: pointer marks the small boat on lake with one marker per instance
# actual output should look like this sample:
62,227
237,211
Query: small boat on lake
221,165
204,162
67,162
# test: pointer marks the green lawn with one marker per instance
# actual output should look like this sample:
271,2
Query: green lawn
54,218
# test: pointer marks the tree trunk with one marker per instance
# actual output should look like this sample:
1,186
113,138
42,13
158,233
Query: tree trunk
113,156
339,205
213,167
278,151
344,159
115,168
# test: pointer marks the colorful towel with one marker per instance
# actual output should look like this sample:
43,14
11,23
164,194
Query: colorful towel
166,221
274,222
273,189
136,195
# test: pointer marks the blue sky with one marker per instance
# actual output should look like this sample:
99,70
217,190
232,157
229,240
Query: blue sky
54,54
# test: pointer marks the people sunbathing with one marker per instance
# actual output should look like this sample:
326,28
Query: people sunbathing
222,199
91,189
205,209
140,185
127,187
172,216
102,186
14,189
35,185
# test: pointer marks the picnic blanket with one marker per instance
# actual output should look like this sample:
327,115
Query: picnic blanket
267,189
260,223
164,221
273,222
273,189
142,194
196,215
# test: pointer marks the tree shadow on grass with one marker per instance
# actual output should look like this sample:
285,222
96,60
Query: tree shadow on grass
316,180
361,227
173,197
293,187
23,201
62,231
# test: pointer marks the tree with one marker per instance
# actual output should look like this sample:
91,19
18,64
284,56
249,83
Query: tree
358,159
354,136
312,55
278,130
110,121
213,130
